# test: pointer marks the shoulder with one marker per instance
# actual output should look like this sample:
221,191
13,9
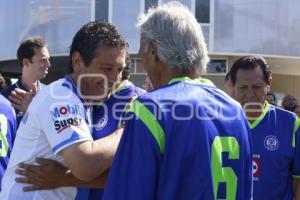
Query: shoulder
130,90
281,113
56,93
279,117
4,101
186,91
139,90
41,85
5,107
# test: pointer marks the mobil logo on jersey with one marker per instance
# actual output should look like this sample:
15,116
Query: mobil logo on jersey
62,111
65,116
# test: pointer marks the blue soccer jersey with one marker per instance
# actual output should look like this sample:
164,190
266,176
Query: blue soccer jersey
185,140
106,119
276,154
7,133
107,116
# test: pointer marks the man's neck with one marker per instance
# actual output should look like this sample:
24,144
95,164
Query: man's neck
28,82
170,73
74,77
252,116
254,112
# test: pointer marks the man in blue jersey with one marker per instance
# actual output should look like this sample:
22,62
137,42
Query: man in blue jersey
185,139
7,133
275,132
107,116
33,57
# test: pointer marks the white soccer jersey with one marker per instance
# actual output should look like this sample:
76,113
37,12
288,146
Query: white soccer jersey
56,119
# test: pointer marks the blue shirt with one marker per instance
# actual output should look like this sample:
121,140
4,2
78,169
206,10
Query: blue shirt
185,140
106,119
276,153
7,133
107,116
6,92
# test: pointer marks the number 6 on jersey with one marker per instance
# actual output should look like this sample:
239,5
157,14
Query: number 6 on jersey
224,174
3,132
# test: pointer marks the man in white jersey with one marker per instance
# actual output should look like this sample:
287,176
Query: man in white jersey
57,123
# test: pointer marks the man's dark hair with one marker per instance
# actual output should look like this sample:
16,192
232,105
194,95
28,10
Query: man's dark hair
228,76
126,70
274,97
27,48
91,37
2,83
289,102
251,62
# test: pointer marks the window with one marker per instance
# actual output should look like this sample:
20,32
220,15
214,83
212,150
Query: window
217,67
205,31
202,11
101,10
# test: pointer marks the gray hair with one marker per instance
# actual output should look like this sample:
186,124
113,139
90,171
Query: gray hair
177,35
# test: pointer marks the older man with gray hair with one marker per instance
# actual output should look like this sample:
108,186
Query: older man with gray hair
185,139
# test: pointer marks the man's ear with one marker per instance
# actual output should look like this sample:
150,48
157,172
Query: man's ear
269,84
77,62
26,62
153,50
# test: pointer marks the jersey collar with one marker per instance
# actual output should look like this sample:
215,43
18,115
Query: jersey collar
123,85
261,116
71,84
189,80
88,108
21,86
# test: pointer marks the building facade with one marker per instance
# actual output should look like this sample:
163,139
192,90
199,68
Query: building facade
231,28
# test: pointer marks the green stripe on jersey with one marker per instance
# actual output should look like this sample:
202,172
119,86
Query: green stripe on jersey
189,80
150,121
296,126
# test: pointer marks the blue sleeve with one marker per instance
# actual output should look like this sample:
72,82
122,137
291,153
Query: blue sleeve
248,156
296,163
6,92
12,125
135,170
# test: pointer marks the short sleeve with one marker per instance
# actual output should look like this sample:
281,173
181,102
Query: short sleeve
64,122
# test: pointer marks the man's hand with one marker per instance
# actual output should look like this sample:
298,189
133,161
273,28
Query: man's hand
21,99
48,174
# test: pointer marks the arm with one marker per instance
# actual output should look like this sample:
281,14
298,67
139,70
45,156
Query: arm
92,157
50,174
69,136
98,182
